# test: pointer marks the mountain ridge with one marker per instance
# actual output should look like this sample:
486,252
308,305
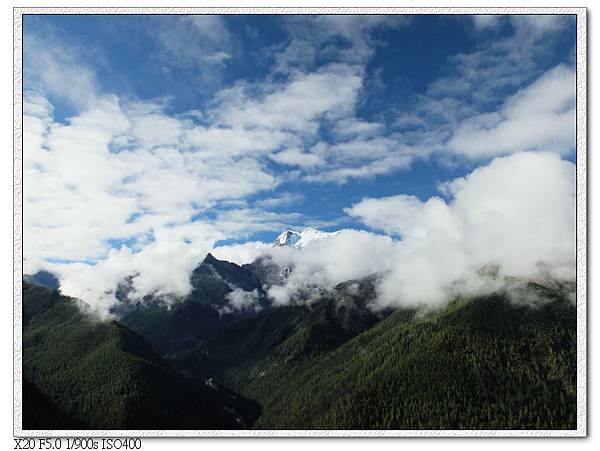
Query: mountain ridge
105,376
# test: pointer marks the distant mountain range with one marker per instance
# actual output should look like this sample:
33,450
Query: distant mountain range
488,362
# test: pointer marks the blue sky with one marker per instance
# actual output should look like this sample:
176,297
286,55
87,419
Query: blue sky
196,130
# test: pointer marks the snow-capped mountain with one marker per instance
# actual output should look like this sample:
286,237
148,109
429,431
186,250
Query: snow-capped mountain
287,238
300,240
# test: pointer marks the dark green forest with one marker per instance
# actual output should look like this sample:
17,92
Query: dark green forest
479,365
483,362
101,375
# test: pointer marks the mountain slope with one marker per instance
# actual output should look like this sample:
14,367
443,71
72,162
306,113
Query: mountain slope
481,364
39,412
213,279
106,376
240,350
170,328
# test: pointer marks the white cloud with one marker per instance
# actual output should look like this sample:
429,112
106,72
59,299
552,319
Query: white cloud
57,67
239,300
282,200
361,149
538,117
127,172
344,38
400,159
299,104
354,127
241,254
66,196
201,43
349,254
162,267
218,141
243,222
484,21
517,212
210,27
405,216
540,25
154,130
296,157
474,83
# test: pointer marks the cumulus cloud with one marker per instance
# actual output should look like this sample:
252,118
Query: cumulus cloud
539,25
102,179
401,158
538,117
296,157
518,212
353,127
298,105
85,188
244,222
219,140
464,112
161,268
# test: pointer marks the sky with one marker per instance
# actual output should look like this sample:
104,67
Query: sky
151,140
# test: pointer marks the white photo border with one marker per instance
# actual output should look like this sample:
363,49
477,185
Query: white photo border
581,268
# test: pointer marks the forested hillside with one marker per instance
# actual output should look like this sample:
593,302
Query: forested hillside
101,375
482,363
499,361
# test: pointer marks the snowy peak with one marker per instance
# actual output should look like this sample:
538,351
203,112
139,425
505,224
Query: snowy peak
300,240
287,238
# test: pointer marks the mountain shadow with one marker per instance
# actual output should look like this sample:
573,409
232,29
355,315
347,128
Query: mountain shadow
103,375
